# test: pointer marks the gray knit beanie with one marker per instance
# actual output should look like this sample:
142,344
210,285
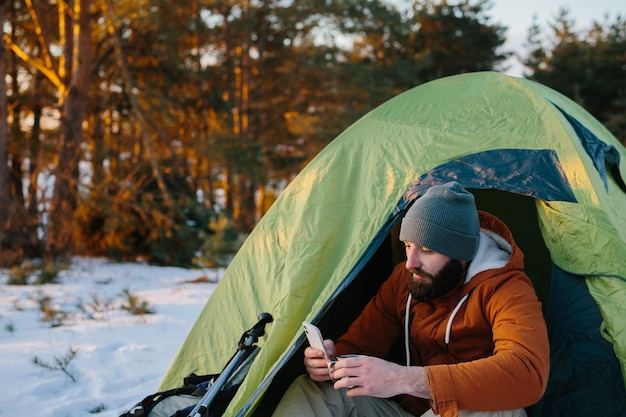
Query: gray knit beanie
444,220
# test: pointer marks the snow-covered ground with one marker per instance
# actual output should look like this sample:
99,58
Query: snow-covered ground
90,356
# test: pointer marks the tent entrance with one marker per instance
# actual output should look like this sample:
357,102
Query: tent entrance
517,211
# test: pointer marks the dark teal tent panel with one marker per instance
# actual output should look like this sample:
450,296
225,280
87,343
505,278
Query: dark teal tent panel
584,371
534,173
600,153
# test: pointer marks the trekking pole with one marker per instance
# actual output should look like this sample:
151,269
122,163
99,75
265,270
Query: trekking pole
249,338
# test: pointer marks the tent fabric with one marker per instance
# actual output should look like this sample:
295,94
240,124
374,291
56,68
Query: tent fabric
536,173
327,223
601,153
584,369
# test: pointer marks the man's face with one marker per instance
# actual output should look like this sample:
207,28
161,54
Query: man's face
431,274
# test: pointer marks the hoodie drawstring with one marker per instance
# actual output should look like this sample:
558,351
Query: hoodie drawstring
448,326
406,330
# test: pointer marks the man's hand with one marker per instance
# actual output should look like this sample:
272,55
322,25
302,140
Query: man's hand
376,377
315,362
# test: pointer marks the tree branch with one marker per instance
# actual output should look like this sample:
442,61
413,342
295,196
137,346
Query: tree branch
40,65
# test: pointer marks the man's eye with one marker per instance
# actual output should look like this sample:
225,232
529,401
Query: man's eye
426,250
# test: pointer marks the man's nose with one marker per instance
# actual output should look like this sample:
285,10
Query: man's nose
413,259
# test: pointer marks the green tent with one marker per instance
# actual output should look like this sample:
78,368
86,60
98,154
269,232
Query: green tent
531,156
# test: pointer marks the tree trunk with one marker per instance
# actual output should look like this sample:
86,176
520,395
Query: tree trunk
17,136
32,246
10,251
64,200
98,146
5,189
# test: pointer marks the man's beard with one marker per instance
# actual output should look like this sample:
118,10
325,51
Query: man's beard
440,284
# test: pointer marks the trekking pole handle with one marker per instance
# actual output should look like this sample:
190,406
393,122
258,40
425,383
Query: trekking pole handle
251,336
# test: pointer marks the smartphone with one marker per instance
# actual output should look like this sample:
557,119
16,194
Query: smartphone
314,336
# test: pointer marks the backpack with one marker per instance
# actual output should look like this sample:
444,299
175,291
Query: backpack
179,402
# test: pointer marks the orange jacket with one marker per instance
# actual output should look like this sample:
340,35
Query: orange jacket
497,357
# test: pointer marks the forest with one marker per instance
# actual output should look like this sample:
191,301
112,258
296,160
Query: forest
139,130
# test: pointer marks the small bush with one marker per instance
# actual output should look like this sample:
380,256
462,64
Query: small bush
96,309
42,273
134,305
140,224
10,327
20,275
49,314
60,363
49,273
97,409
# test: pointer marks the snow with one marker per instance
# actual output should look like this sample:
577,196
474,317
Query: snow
119,357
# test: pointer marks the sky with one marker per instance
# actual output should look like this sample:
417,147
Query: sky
120,358
518,17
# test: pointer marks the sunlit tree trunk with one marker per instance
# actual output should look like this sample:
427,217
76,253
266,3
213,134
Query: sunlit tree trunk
18,224
32,217
5,189
64,201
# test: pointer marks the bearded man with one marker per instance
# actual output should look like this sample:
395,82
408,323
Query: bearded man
475,338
